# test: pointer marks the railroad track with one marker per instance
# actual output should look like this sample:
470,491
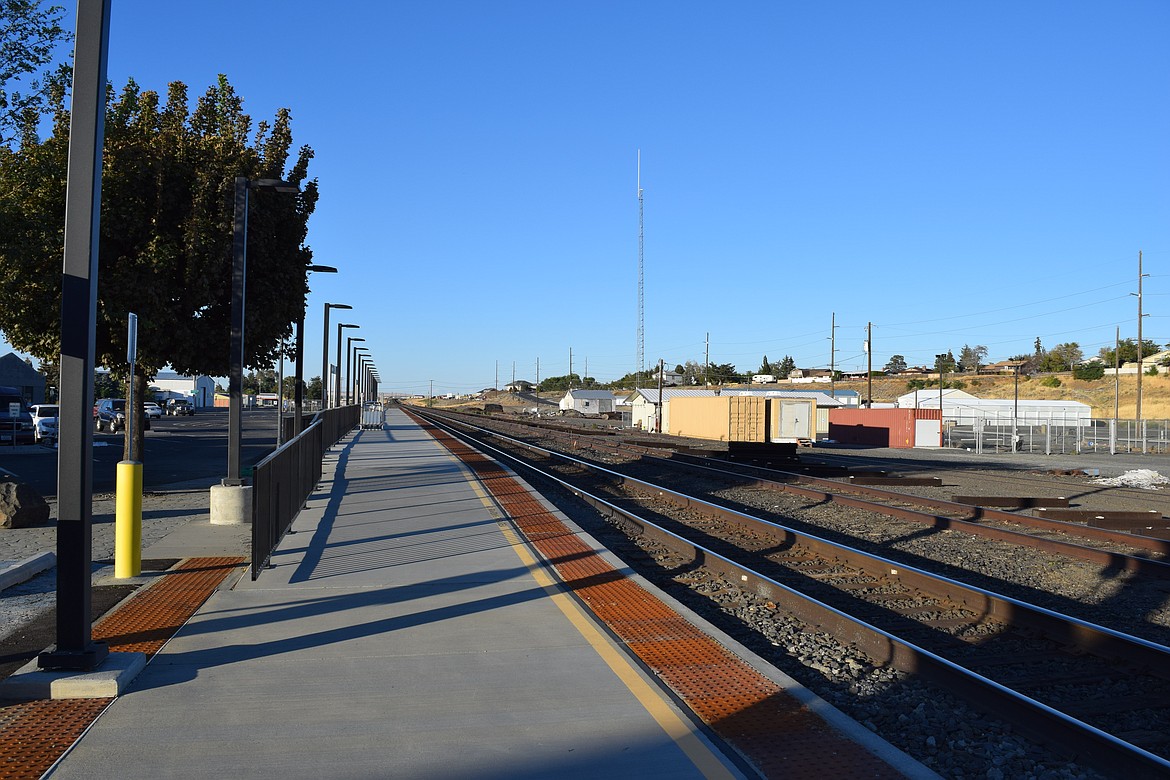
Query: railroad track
1091,691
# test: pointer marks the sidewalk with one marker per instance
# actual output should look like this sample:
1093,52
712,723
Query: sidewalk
402,632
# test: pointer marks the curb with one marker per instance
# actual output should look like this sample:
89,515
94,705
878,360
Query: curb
26,569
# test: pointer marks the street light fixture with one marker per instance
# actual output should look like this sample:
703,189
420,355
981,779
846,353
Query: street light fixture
349,366
337,383
236,355
298,382
325,354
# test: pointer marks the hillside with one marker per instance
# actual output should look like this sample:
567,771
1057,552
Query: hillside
1098,394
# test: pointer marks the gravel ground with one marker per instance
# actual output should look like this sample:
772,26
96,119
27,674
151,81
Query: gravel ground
934,727
163,512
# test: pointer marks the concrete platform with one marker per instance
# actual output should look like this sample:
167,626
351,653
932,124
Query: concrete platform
399,633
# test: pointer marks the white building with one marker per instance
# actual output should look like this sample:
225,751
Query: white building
199,390
962,408
589,401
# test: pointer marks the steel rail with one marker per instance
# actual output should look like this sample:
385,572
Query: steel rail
1042,722
966,516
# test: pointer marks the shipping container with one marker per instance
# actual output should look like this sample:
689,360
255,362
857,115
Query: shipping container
744,418
793,420
894,428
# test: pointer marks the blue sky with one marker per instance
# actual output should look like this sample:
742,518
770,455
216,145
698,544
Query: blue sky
976,173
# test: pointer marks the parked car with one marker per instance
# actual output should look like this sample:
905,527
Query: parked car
18,426
153,410
45,421
112,415
179,406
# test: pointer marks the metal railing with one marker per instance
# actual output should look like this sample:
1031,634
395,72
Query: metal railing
1058,436
283,480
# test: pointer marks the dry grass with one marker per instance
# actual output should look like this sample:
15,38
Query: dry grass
1098,394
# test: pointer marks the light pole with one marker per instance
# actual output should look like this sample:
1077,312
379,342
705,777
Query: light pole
367,367
75,648
349,365
325,354
337,383
363,362
355,381
299,381
236,355
942,365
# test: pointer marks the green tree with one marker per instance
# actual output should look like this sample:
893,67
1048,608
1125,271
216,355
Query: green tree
896,364
1062,357
562,383
1128,350
1089,371
970,358
945,364
766,367
166,233
313,389
30,33
724,373
784,367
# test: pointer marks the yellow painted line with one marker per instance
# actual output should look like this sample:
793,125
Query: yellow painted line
676,727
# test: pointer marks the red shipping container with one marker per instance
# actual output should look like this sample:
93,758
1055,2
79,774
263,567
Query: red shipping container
893,428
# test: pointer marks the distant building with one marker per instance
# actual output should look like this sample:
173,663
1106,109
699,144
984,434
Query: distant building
14,372
519,386
589,401
199,390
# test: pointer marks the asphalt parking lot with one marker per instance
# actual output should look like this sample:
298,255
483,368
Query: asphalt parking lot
178,450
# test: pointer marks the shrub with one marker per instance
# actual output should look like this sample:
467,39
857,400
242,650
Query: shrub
1050,381
1152,371
1089,371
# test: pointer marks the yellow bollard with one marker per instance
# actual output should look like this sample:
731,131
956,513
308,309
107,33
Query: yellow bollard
128,520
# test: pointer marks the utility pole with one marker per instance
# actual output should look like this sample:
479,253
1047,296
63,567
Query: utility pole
707,363
1116,389
1140,429
661,405
641,367
833,357
869,365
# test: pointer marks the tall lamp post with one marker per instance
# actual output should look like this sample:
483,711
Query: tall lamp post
355,380
325,354
942,365
337,383
299,381
75,648
349,366
365,375
363,362
236,355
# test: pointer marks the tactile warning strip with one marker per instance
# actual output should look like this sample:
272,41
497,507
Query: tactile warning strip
746,709
34,734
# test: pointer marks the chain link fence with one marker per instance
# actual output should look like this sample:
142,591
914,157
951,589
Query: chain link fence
1059,434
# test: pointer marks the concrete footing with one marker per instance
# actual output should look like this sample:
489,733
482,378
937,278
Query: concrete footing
110,679
231,504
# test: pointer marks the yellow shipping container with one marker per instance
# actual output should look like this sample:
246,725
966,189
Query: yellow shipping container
720,417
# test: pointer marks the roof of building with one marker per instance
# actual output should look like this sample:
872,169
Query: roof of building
598,394
669,393
14,371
